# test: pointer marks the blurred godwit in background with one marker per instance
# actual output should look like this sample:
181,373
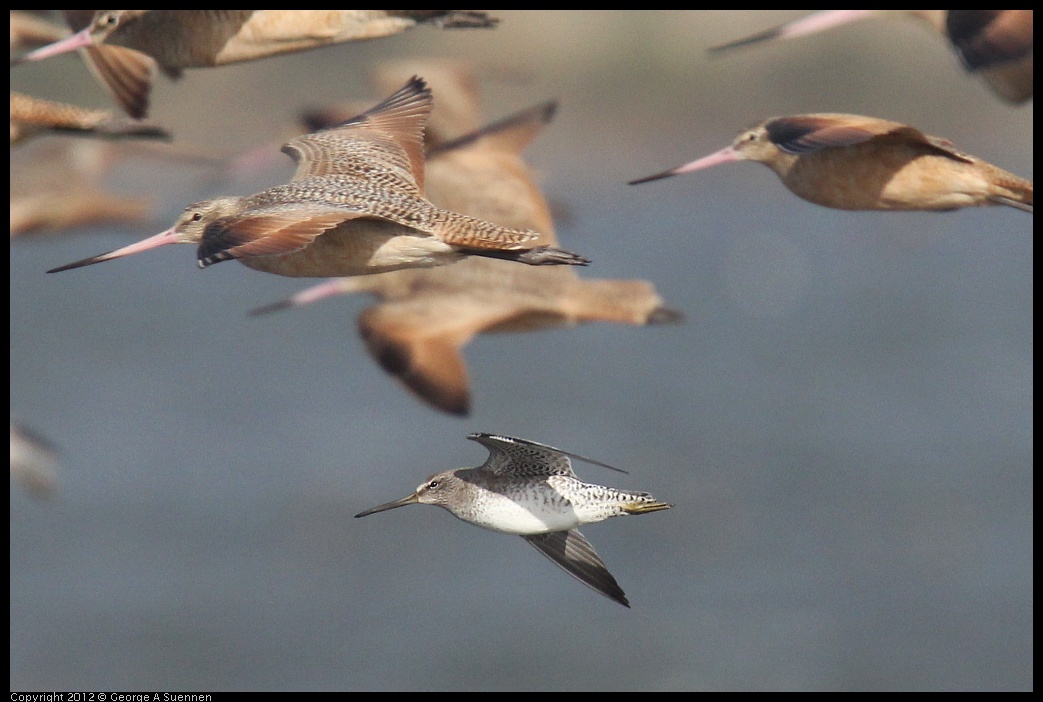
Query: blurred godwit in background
31,30
124,47
851,162
31,116
997,44
62,185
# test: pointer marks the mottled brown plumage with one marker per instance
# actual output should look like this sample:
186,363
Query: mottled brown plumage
354,206
32,116
851,162
425,316
457,108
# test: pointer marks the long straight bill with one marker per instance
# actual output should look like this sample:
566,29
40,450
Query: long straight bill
79,40
815,22
725,155
153,242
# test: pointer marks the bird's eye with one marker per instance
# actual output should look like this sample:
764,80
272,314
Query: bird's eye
196,216
108,20
432,485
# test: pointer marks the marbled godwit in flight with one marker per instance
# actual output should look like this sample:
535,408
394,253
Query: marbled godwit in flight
426,316
997,44
851,162
32,116
355,206
179,39
531,490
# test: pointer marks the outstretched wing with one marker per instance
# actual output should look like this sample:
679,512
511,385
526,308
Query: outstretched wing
265,233
801,134
384,145
511,456
571,551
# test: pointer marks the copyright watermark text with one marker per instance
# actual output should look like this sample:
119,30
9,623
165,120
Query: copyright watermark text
110,697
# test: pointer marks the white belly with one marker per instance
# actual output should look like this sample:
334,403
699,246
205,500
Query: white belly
537,517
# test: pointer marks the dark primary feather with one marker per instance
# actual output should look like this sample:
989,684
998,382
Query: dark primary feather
983,38
571,551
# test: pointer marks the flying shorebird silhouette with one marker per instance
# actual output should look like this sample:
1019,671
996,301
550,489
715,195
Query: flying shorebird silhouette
530,489
424,317
852,162
355,206
33,116
995,44
123,48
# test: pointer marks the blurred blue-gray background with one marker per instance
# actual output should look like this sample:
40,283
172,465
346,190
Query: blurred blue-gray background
844,421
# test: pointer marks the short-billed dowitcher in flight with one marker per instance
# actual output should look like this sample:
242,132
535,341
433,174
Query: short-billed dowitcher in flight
123,47
996,44
851,162
531,490
355,206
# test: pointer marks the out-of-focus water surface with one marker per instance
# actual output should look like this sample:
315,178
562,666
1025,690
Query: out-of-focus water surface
844,421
